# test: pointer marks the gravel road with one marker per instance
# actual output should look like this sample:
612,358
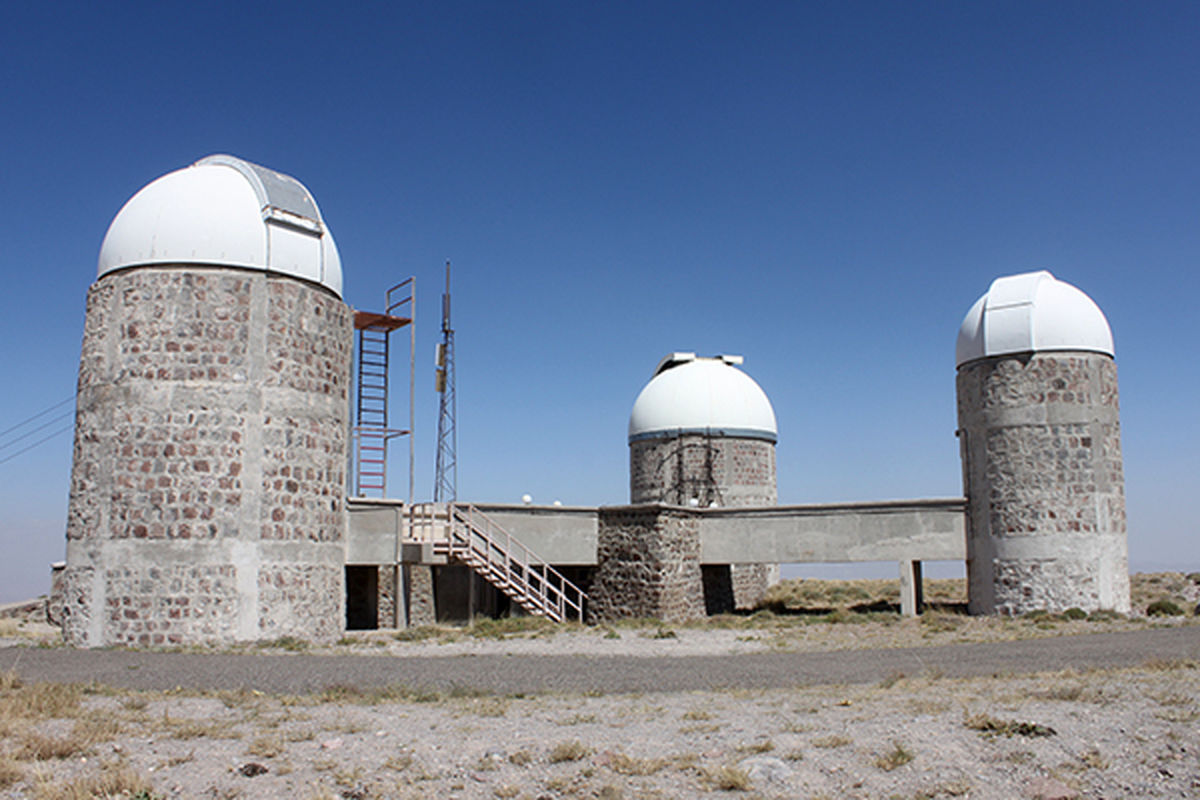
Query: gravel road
511,674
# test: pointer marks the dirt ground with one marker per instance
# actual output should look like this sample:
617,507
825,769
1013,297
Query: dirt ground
1124,733
1092,734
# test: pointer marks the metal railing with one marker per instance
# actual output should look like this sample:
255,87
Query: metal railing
464,533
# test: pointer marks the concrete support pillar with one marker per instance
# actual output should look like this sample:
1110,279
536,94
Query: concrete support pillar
912,590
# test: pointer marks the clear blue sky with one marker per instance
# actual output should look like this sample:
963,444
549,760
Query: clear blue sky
824,188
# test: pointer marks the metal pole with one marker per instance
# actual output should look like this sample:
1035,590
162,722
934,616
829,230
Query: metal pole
412,393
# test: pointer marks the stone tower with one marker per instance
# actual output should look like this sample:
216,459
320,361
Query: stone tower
1039,434
702,434
208,487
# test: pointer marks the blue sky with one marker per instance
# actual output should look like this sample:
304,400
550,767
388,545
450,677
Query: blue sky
824,188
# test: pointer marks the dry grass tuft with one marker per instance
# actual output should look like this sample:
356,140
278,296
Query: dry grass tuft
38,701
729,779
988,725
521,758
898,756
85,734
267,746
114,780
627,765
10,772
573,750
828,742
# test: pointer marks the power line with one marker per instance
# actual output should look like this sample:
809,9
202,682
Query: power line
41,413
41,427
35,444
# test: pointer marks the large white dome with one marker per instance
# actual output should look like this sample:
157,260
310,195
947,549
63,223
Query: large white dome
701,395
223,211
1032,312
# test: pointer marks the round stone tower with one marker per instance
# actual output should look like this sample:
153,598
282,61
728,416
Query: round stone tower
702,434
1039,434
208,487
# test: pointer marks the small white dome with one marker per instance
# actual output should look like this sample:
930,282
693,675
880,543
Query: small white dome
1032,312
702,395
223,211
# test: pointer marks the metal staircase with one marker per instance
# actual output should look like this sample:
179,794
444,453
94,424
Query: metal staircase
463,533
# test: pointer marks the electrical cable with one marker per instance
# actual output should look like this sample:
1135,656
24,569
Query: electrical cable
11,456
43,426
41,413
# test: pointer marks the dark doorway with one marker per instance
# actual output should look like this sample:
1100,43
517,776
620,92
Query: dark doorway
362,598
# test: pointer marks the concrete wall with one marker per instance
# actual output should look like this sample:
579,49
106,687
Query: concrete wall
921,530
1041,447
899,530
562,535
649,557
207,495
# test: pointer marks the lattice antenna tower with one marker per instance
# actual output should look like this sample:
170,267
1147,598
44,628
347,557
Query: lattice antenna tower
445,485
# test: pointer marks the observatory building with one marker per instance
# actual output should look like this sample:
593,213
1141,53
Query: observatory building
208,485
1040,439
210,500
702,434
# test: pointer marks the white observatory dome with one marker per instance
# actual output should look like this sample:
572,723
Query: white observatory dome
702,395
1033,311
223,211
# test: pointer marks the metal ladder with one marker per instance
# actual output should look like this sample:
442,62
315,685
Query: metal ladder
371,432
462,532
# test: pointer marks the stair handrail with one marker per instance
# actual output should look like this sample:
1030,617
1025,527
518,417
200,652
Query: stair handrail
554,587
493,552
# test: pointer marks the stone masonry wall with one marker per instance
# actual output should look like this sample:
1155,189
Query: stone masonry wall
730,472
649,560
207,489
419,586
1042,467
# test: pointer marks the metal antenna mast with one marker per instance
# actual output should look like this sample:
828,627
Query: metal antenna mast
445,485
